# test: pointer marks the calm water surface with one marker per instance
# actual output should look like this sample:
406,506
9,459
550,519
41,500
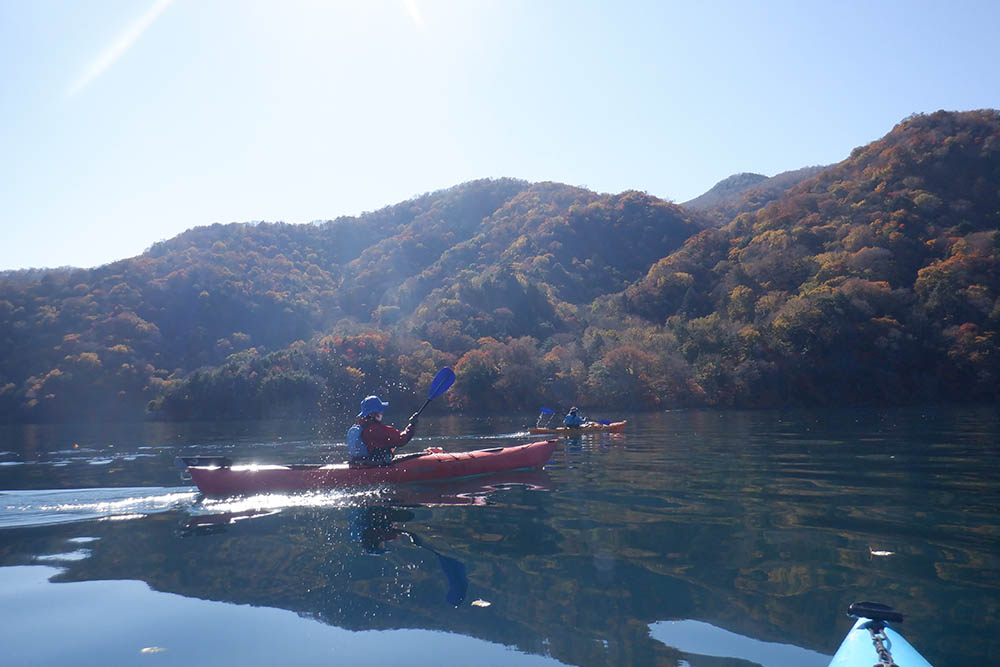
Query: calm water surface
701,538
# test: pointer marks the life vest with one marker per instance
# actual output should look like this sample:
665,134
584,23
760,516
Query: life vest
355,445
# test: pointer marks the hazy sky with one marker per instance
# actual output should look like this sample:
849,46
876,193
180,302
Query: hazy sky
124,122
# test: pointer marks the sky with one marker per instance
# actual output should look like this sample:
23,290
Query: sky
126,122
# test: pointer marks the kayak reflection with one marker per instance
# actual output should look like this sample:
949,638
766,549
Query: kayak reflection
468,491
593,441
376,518
372,526
212,524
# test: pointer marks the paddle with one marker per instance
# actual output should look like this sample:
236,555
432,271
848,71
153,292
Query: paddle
442,381
454,572
544,411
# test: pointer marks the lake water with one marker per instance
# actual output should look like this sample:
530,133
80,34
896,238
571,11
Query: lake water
701,538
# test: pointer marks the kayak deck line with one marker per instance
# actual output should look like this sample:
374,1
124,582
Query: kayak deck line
872,641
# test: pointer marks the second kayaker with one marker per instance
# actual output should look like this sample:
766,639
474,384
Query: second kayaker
369,441
574,420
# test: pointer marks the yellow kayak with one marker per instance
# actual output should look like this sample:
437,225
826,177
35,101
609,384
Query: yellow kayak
589,427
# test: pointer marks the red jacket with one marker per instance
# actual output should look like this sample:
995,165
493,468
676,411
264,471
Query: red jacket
377,435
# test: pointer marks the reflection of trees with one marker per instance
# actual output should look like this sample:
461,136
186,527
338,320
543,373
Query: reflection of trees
772,544
306,561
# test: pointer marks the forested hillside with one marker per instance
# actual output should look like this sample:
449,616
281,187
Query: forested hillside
872,281
875,281
251,319
742,193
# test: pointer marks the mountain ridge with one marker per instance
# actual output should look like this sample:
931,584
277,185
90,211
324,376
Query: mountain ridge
542,292
745,192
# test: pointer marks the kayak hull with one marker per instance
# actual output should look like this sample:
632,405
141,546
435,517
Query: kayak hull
247,479
613,427
857,649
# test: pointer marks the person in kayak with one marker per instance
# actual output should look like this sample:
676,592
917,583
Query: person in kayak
574,420
369,441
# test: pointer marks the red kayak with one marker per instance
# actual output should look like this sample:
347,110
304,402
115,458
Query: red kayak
217,477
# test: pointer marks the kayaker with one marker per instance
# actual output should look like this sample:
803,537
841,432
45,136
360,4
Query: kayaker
574,420
371,442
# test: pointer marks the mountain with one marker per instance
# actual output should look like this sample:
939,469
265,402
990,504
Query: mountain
232,306
871,281
746,192
877,280
726,190
548,252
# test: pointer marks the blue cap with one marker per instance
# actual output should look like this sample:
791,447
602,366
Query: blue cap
371,405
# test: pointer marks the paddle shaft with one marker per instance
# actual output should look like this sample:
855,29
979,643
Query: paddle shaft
417,413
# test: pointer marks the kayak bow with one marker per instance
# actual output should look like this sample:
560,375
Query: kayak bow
871,634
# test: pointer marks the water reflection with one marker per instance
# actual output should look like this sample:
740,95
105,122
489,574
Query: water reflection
380,522
213,524
760,524
373,526
601,441
698,639
373,523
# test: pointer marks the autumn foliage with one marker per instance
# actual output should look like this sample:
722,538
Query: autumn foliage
874,281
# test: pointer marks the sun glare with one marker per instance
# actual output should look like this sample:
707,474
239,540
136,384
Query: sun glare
414,12
118,47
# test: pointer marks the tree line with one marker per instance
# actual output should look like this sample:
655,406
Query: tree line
873,281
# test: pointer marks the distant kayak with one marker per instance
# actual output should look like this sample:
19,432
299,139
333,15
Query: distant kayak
590,427
218,476
860,647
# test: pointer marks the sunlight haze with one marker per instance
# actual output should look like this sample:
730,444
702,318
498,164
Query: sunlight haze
128,122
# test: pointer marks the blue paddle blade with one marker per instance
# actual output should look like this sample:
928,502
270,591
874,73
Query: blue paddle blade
442,381
458,583
547,411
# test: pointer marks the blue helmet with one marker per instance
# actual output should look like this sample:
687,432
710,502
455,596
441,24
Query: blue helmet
371,405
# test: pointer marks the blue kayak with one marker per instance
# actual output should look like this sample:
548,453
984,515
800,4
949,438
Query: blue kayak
860,647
